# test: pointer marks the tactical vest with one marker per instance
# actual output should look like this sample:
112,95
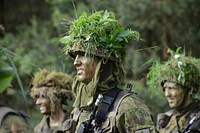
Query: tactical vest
188,122
109,125
4,111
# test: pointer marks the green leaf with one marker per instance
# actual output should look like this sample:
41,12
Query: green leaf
103,39
124,34
111,37
6,74
106,15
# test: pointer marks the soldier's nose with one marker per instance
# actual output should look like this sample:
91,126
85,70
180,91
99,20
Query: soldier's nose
167,92
77,61
39,101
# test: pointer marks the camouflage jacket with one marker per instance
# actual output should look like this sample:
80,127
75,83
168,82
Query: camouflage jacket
44,125
186,120
13,121
129,115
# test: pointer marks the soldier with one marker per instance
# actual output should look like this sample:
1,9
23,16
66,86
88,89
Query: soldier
97,45
179,78
51,90
11,121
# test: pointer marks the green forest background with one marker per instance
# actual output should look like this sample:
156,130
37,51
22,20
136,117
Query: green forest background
30,31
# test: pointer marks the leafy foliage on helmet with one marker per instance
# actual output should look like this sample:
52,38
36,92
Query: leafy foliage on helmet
181,69
98,34
58,84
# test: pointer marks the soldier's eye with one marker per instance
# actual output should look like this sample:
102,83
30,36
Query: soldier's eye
36,96
43,96
172,88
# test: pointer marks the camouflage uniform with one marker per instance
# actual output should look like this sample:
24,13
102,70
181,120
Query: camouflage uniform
179,120
130,115
44,127
12,121
127,113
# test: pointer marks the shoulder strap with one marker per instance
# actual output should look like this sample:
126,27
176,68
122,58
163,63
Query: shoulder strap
5,111
193,120
119,98
104,107
116,105
76,114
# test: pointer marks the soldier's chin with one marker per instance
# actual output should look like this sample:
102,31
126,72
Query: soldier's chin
46,113
82,79
171,105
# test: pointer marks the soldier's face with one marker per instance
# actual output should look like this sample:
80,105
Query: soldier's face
42,100
174,94
85,66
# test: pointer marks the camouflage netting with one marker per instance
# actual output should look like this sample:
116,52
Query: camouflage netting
58,85
181,69
98,34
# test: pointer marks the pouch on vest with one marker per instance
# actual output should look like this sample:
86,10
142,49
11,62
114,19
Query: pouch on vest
69,126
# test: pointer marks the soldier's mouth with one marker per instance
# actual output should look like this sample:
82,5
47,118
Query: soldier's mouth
170,101
42,108
79,71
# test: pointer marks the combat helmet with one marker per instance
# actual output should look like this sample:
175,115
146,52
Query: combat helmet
58,85
98,35
181,69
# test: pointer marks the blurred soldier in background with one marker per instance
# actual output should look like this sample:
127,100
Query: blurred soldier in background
180,80
11,121
50,91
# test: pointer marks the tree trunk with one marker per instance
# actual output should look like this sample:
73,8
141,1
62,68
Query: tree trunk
164,39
